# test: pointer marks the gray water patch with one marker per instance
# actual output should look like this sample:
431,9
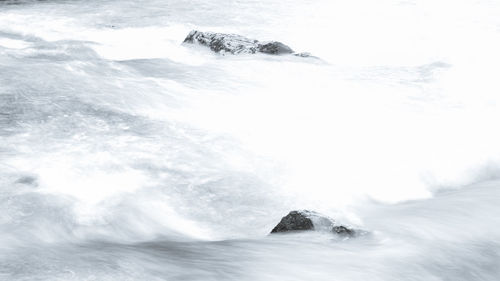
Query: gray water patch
28,180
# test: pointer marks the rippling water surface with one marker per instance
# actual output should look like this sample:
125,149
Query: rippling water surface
127,155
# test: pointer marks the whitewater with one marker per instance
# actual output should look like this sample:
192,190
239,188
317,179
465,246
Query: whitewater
128,155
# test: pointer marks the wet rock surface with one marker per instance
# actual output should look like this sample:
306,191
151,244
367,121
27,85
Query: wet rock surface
309,220
236,44
295,220
342,230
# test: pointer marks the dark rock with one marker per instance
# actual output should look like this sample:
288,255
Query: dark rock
294,221
342,230
222,43
309,220
275,48
236,44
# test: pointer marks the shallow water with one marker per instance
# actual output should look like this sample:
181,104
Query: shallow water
435,239
126,155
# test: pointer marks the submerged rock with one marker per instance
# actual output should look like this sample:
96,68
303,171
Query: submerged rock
304,55
309,220
275,48
236,44
342,230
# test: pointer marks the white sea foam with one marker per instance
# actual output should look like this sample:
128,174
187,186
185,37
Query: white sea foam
127,154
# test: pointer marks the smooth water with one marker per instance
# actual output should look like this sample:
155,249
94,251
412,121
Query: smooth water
126,155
